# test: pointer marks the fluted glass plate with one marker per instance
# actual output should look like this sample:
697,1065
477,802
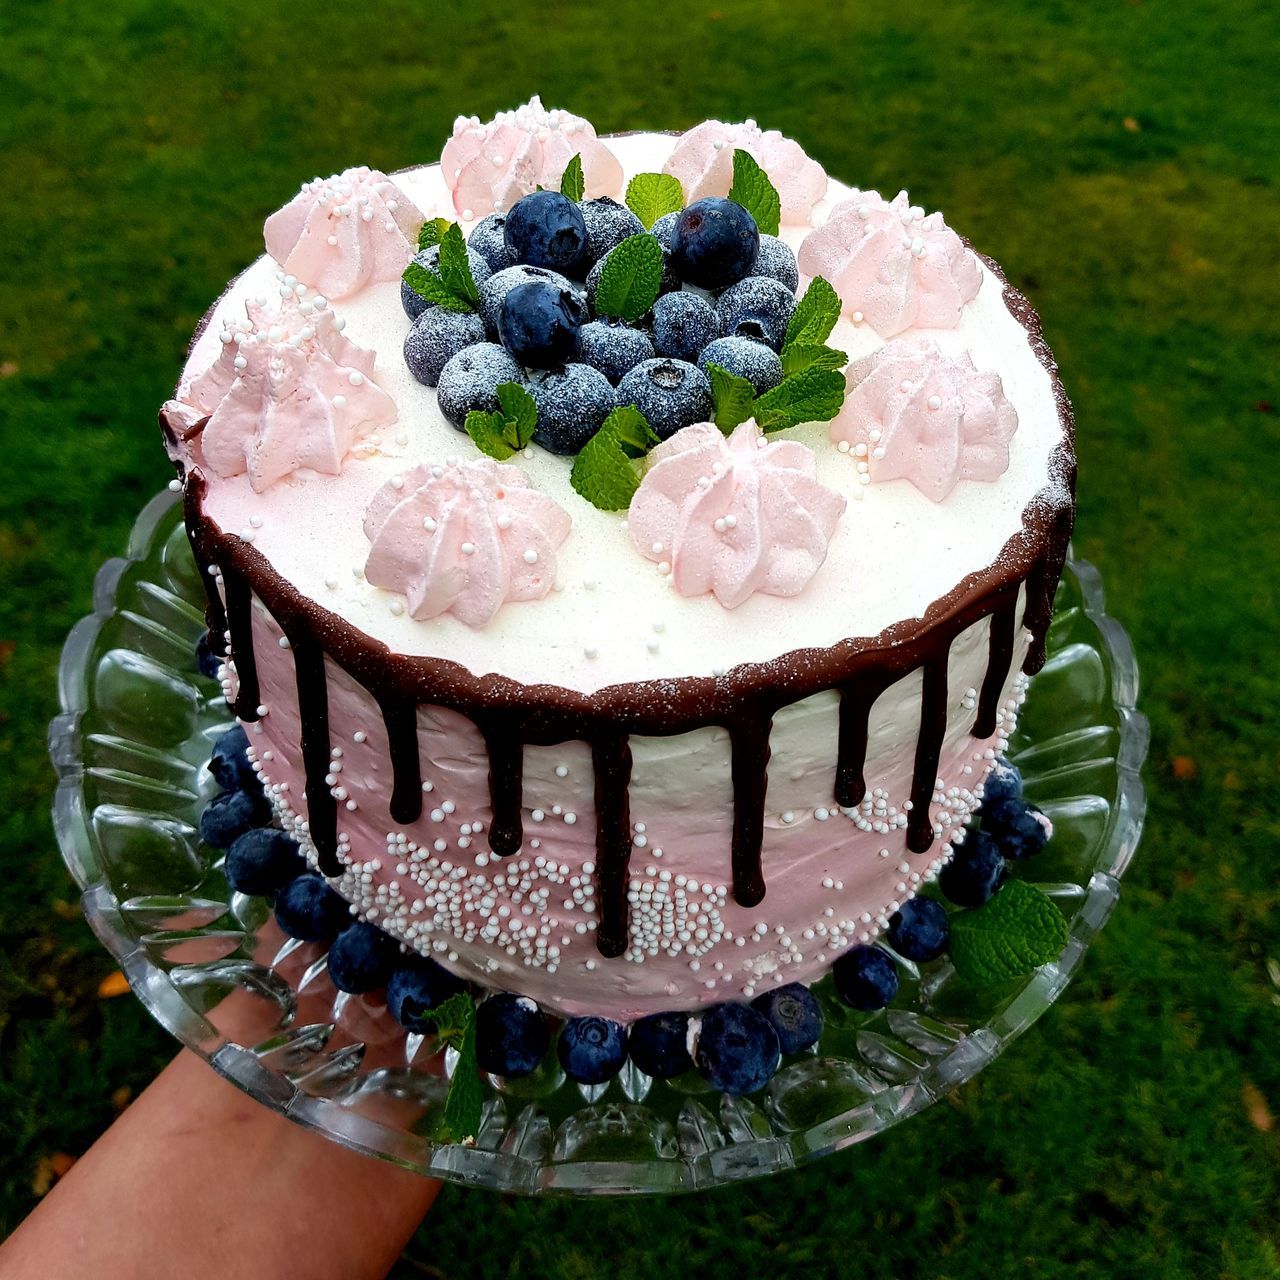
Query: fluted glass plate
210,965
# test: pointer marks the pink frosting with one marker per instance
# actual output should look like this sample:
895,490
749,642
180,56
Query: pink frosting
703,163
463,538
891,264
490,166
734,516
287,391
914,413
341,233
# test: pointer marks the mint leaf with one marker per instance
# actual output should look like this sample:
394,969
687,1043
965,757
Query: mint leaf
630,278
602,472
811,355
488,434
631,429
813,395
815,315
426,284
572,183
755,193
455,1021
455,269
432,232
651,196
1009,936
733,397
520,414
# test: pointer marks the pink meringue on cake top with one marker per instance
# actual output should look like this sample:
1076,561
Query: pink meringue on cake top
916,414
287,391
341,233
733,516
488,167
702,162
463,538
892,265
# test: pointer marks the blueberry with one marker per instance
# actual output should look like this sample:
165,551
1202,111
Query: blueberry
498,285
613,347
263,860
592,1050
307,908
659,1045
539,323
747,358
714,243
865,978
231,814
683,323
435,337
738,1048
416,987
488,239
777,261
976,870
665,228
795,1015
1018,828
670,393
208,663
229,762
470,380
362,958
1004,782
608,225
572,404
919,930
757,308
511,1035
414,303
546,229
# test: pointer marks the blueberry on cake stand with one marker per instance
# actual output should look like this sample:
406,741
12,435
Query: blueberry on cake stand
132,747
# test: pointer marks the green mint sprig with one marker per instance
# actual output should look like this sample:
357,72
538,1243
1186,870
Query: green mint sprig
432,232
506,431
603,472
455,1021
811,355
734,398
451,285
572,184
755,193
1009,936
815,315
630,278
812,394
651,196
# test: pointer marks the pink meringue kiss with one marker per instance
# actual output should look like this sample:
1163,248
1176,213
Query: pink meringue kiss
702,163
286,392
916,414
341,233
463,538
488,167
734,516
892,265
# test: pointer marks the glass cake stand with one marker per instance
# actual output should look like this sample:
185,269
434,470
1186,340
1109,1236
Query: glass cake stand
211,966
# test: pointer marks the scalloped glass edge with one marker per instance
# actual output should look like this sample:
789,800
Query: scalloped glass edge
601,1147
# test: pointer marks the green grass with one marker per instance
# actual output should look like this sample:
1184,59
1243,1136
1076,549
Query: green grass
1120,159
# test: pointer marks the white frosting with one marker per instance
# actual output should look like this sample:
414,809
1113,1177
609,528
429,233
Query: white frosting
894,552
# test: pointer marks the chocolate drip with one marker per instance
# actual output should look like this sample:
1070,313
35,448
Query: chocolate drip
506,784
400,715
856,700
933,726
313,710
749,739
1042,586
1000,659
240,629
611,758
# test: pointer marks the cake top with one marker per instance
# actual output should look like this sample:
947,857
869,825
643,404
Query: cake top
754,425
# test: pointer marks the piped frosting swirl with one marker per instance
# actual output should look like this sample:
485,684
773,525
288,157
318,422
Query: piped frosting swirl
733,516
463,538
892,265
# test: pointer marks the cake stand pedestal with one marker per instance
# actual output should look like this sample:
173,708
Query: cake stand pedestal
130,746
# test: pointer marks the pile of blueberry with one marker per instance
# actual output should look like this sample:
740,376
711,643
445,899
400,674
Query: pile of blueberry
726,297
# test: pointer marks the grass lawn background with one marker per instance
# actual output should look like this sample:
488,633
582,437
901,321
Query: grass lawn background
1121,159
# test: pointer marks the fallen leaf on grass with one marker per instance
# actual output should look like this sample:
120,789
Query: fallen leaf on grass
1255,1107
114,984
1131,124
1185,768
48,1170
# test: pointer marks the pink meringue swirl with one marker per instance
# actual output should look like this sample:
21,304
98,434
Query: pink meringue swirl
702,162
488,167
341,233
891,264
463,538
733,516
287,391
917,414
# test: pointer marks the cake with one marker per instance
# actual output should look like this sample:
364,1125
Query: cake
630,628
